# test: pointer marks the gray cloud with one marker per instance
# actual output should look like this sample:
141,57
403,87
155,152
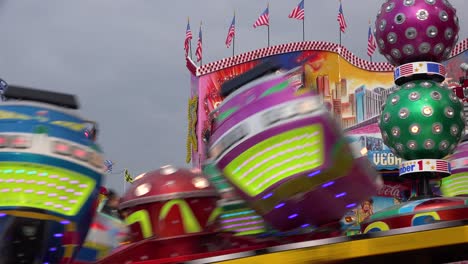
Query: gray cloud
124,59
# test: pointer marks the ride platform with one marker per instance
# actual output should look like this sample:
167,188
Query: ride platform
443,242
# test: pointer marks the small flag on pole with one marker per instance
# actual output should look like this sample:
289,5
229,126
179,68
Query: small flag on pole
263,19
3,87
298,11
128,176
108,164
371,45
231,32
341,19
199,50
188,38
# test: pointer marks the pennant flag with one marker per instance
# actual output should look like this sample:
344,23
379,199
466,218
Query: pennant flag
188,38
341,19
199,50
298,12
371,45
231,32
263,19
128,176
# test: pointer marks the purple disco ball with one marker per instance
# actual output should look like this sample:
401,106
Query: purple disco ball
416,30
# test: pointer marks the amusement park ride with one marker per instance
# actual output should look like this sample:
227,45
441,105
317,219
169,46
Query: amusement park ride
284,161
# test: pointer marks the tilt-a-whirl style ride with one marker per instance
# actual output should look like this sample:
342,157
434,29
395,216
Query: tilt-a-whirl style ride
50,172
288,166
266,142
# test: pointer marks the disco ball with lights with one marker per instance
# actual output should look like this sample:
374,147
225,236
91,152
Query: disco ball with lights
422,120
416,30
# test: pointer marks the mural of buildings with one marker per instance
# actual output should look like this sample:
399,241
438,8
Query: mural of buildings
351,107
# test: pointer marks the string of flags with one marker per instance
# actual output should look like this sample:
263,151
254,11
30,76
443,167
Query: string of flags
264,20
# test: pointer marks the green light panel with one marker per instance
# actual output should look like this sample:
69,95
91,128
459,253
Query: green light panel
456,184
277,158
43,187
242,221
215,177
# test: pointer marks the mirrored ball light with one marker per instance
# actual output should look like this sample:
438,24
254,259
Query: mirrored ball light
396,132
454,130
412,144
443,145
400,18
436,128
430,26
435,95
443,15
410,85
449,112
415,129
429,144
426,127
427,111
403,113
431,31
386,117
399,147
414,96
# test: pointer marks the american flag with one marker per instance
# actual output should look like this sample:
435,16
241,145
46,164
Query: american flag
263,19
198,52
371,45
341,19
406,69
298,12
442,165
188,38
108,164
231,32
436,67
3,86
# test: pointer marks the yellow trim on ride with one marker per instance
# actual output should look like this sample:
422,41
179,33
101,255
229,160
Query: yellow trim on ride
363,247
382,226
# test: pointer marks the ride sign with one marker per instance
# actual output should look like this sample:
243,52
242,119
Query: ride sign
424,165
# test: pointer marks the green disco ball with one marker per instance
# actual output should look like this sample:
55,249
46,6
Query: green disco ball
422,120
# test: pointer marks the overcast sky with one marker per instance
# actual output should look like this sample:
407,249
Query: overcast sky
125,60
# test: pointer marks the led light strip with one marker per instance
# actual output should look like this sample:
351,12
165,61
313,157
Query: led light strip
242,224
43,187
258,154
452,186
239,219
255,124
54,147
313,163
275,156
270,170
283,162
